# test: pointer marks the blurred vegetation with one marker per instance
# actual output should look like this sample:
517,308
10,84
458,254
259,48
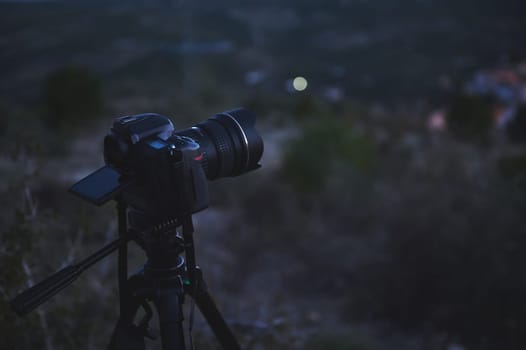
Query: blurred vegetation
470,118
24,133
517,127
513,169
71,94
461,276
324,144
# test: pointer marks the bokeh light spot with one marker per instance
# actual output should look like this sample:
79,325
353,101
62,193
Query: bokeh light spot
299,83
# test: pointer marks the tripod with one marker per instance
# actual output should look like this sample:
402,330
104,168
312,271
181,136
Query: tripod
165,280
159,178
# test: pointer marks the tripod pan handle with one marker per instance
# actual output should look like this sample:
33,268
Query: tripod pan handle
31,298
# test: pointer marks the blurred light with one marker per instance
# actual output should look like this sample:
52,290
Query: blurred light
333,93
254,77
299,83
437,120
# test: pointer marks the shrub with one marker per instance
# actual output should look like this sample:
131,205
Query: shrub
325,143
22,133
470,118
452,264
71,93
517,128
513,168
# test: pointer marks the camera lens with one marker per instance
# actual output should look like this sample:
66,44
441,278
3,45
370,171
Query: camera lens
230,145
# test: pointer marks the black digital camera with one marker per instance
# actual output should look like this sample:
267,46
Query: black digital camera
164,173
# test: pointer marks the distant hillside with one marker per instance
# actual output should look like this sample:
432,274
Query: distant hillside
371,50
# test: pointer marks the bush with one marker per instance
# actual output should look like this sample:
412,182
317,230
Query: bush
513,169
70,94
452,264
44,228
22,133
470,118
517,128
325,144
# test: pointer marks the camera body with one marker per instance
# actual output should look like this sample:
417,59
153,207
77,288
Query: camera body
163,173
163,168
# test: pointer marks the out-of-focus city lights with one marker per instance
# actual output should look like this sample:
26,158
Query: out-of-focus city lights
255,77
299,83
437,120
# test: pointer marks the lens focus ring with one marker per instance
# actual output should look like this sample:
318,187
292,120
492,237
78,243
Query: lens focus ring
224,147
229,143
244,140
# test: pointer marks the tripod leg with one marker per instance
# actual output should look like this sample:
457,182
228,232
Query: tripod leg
126,335
123,253
169,308
208,308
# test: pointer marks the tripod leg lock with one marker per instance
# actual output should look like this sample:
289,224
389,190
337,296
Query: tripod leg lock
144,323
195,283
